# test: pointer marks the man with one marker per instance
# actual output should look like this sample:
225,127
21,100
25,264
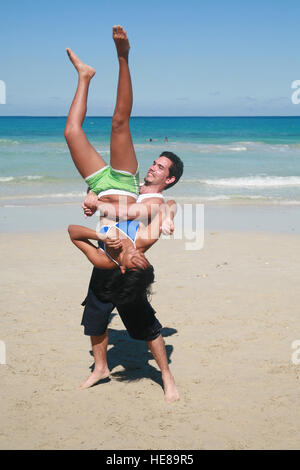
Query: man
162,174
138,317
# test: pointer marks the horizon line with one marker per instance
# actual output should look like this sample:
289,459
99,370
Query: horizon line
160,116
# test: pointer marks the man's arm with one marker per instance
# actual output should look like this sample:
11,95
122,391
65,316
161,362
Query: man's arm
140,210
150,211
153,230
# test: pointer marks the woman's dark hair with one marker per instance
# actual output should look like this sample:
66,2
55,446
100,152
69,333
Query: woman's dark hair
176,169
121,288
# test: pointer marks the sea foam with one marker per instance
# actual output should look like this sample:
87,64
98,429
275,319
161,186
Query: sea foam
254,181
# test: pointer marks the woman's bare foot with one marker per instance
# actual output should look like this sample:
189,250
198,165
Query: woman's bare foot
170,389
96,375
82,69
121,41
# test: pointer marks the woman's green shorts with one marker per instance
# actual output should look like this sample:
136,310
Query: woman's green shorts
111,181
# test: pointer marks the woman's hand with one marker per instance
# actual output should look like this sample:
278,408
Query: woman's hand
109,240
113,242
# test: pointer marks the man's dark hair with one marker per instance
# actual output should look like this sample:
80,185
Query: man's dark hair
122,289
176,169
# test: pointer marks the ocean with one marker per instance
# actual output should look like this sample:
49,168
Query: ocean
227,161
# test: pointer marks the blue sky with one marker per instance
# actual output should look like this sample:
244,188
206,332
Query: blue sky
188,58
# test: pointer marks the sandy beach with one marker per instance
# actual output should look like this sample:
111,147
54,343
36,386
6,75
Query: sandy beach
230,313
208,117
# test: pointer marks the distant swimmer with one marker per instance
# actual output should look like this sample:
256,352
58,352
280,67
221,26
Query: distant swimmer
166,139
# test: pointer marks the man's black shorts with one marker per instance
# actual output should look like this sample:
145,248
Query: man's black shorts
138,316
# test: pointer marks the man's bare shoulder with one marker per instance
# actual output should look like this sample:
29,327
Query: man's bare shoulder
151,200
147,197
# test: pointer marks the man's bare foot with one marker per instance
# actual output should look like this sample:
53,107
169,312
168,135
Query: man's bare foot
82,69
121,41
96,375
170,389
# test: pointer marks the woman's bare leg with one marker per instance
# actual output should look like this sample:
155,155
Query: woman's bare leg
86,159
122,154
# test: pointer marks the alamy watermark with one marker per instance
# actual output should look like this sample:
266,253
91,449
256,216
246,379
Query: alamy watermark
2,92
296,354
190,225
2,352
296,95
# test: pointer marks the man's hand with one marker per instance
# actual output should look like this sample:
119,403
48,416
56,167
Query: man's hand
167,226
90,204
168,213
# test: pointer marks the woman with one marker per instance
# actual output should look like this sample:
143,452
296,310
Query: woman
121,244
